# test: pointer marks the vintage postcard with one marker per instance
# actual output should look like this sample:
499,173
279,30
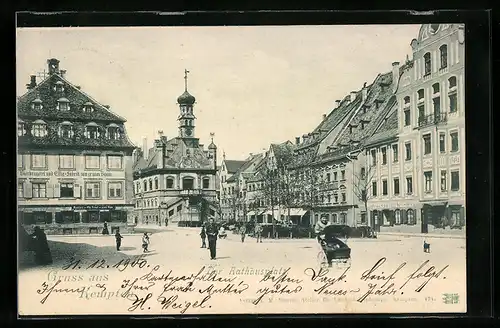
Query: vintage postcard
241,170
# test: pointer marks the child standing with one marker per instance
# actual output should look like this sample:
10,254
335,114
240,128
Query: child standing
203,236
145,242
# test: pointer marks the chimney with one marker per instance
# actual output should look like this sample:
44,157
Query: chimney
78,87
353,95
145,151
63,72
324,117
297,141
32,83
364,92
304,138
337,103
395,75
53,66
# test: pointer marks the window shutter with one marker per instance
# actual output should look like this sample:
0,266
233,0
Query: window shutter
77,191
28,190
57,190
50,191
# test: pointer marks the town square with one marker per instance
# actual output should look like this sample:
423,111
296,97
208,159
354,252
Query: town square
139,154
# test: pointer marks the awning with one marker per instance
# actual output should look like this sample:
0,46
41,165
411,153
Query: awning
435,203
296,212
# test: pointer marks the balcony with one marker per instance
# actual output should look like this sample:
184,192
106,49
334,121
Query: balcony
191,192
432,119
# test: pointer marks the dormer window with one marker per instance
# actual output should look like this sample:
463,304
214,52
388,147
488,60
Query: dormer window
92,131
66,130
88,107
63,104
59,87
21,128
37,104
39,129
113,132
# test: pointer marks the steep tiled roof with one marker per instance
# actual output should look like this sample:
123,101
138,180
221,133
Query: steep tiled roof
283,152
233,166
77,98
53,117
183,154
386,131
252,160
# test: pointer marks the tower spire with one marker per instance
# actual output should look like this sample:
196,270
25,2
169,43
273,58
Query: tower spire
212,136
186,79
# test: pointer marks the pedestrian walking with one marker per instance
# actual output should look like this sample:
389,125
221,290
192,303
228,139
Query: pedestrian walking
258,232
41,247
118,239
145,242
203,236
105,230
212,232
243,232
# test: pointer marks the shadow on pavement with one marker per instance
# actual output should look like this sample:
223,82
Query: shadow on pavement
62,252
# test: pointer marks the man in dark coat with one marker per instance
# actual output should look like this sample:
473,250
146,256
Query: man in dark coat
41,247
212,232
118,239
105,230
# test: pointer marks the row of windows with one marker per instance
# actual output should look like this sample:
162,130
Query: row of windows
63,104
39,129
436,101
39,161
153,184
400,216
455,184
443,63
335,218
408,149
92,190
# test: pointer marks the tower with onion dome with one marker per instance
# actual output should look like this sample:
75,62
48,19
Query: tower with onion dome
186,116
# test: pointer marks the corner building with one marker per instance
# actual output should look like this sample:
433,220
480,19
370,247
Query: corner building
74,165
175,180
431,98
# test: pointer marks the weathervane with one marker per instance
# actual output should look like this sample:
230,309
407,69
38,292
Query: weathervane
186,79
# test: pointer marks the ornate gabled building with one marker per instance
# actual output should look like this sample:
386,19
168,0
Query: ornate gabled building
431,98
228,195
74,159
175,182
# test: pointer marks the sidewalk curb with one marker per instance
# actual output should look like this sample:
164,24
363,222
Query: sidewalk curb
425,235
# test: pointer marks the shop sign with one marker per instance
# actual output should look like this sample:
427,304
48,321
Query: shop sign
64,174
94,207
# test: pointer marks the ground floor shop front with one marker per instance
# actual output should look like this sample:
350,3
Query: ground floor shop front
417,216
81,219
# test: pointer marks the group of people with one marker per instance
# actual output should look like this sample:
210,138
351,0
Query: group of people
119,237
212,232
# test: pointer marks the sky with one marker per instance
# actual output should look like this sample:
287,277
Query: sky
253,85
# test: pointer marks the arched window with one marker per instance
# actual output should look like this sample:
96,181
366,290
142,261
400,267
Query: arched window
452,94
150,184
187,183
145,183
170,183
427,63
92,131
21,128
63,104
334,218
435,88
113,132
443,51
406,111
39,129
410,215
407,101
156,183
343,218
66,130
206,183
397,216
59,87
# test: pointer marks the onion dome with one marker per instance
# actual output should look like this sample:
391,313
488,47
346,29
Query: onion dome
212,146
186,99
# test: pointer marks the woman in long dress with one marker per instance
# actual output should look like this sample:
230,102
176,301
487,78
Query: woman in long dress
41,246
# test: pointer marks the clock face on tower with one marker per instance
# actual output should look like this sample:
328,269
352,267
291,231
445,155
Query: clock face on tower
189,132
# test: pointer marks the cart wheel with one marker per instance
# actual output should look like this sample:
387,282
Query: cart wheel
322,260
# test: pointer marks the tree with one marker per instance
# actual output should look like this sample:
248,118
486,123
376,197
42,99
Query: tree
362,185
